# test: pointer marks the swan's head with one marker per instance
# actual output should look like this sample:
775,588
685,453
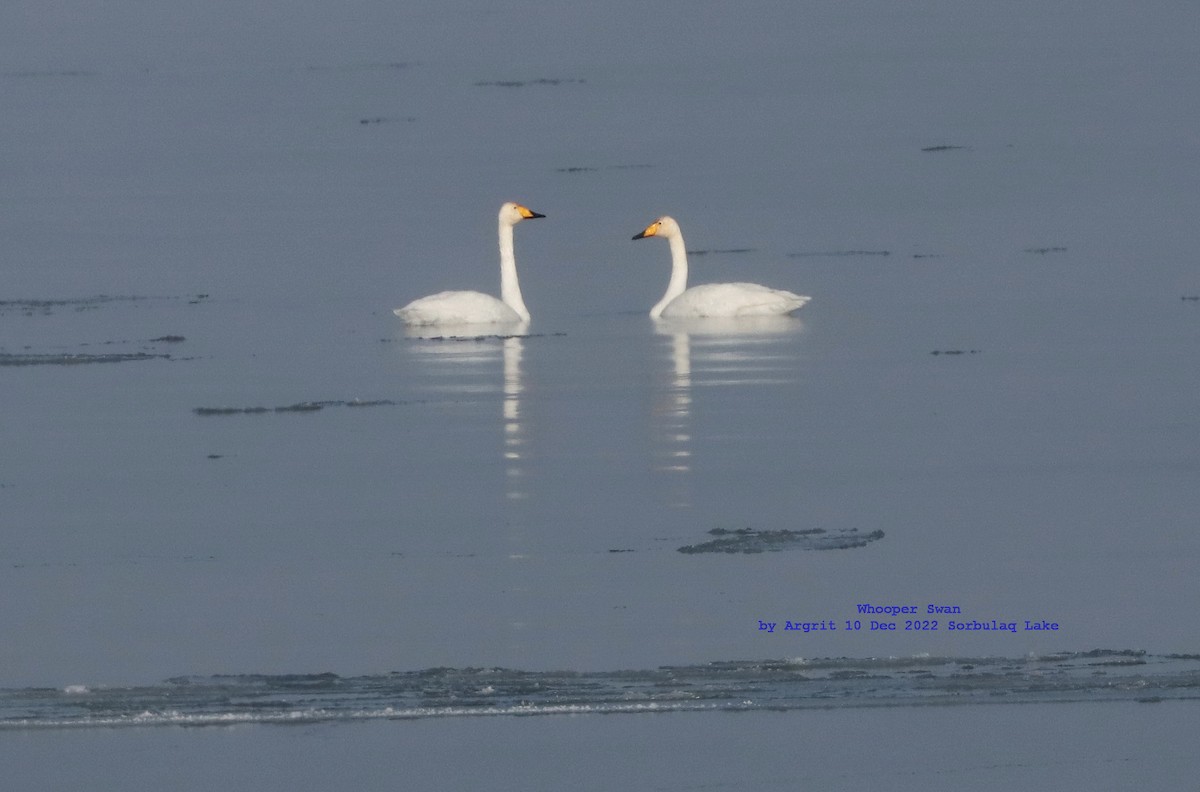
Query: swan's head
662,227
513,213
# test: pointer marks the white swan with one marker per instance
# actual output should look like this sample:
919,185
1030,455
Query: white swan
472,307
712,299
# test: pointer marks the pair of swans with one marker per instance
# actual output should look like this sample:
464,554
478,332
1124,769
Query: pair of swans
709,300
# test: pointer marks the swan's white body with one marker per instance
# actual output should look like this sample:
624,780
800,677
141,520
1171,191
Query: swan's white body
472,307
459,307
712,299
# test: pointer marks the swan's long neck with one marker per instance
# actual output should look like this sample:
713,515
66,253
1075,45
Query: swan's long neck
679,274
510,289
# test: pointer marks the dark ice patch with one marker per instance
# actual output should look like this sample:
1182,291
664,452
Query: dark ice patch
523,83
750,540
298,407
75,359
593,169
838,253
375,120
45,307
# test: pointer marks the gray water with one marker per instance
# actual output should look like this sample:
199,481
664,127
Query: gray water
224,456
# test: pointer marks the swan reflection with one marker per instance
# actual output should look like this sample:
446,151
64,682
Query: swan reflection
742,351
463,361
514,434
675,408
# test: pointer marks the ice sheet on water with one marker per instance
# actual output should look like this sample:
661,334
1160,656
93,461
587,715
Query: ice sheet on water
750,540
733,685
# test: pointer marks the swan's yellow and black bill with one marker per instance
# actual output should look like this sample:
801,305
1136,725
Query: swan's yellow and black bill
650,231
528,213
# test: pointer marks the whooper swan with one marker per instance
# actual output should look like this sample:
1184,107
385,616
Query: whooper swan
712,299
472,307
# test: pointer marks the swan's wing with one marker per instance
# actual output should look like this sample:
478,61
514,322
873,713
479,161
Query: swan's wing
734,299
457,307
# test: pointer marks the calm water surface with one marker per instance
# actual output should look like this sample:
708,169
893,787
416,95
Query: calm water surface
223,455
